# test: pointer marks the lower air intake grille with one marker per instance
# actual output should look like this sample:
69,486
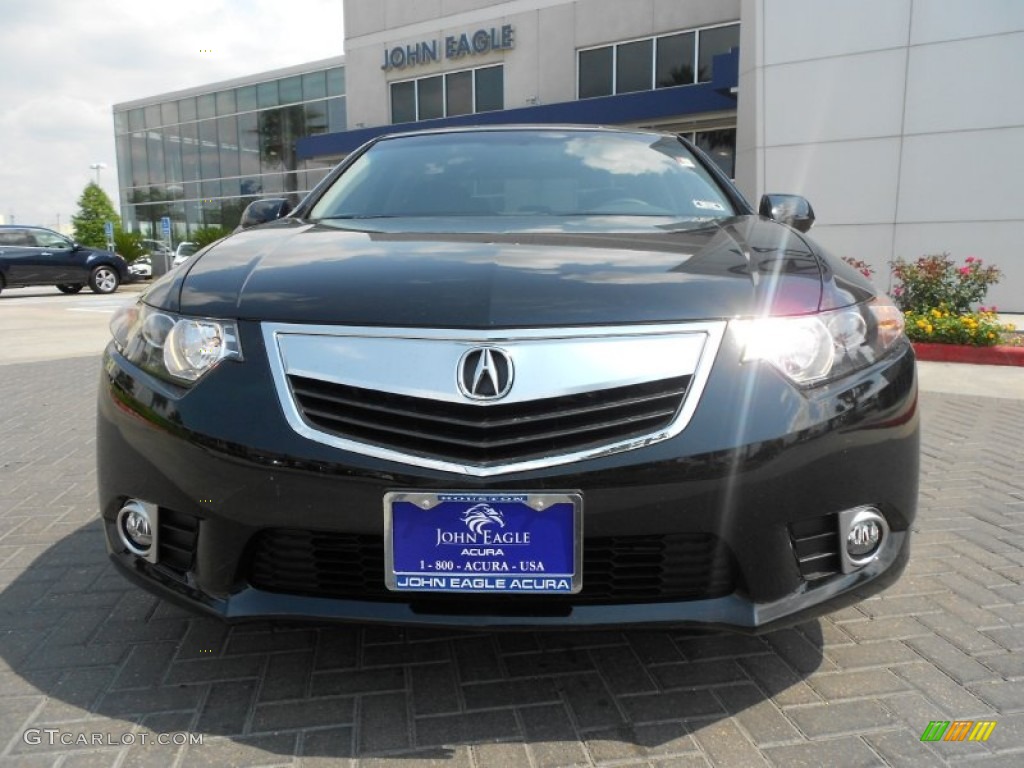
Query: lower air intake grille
816,544
176,541
618,569
488,434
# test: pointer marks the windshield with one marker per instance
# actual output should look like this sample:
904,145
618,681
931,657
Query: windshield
525,173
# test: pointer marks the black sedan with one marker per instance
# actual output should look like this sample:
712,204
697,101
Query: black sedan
513,377
38,256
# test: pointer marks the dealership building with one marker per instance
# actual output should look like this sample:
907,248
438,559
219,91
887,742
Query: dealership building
898,119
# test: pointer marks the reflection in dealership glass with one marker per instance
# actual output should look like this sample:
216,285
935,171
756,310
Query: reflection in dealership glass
516,376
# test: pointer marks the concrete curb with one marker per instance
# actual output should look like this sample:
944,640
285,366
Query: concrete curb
955,353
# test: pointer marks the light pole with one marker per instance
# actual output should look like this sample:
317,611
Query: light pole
98,167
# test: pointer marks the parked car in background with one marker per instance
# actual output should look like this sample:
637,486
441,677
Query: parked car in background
38,256
513,377
184,250
141,268
155,246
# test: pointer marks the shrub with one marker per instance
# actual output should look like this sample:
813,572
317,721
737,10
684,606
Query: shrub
128,244
203,236
861,266
941,326
936,282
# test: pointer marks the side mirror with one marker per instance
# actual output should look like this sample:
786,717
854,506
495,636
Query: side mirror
793,210
76,247
262,211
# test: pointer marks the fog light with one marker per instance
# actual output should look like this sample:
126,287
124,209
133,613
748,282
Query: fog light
863,531
863,538
137,528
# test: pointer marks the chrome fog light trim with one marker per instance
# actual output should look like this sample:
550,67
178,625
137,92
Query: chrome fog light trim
137,527
862,533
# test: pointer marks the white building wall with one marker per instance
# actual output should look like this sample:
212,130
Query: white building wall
540,69
901,120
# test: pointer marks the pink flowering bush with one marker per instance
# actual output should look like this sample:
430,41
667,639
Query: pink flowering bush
936,282
861,266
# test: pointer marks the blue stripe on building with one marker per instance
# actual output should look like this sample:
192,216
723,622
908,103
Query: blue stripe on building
643,106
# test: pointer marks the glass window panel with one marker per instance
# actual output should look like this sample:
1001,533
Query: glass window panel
227,134
226,104
245,98
266,94
720,146
211,212
152,116
193,216
272,183
229,188
120,122
248,144
490,89
291,183
209,160
403,102
336,81
293,126
316,117
169,112
136,120
290,89
633,67
713,42
189,152
191,190
172,157
429,92
208,190
187,109
206,106
314,85
140,165
315,175
251,186
675,60
337,119
155,151
123,145
459,93
595,73
270,129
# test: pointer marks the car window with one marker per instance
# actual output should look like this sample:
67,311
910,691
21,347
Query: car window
15,237
45,239
517,173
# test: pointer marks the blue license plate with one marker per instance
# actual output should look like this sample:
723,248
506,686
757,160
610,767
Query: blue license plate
523,543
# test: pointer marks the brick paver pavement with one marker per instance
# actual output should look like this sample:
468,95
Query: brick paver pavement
85,653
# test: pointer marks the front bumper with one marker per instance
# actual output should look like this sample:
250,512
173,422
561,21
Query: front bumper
759,462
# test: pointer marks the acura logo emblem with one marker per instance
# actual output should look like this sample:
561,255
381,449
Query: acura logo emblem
485,373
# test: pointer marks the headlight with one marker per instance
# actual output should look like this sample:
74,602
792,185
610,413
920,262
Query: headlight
179,349
812,349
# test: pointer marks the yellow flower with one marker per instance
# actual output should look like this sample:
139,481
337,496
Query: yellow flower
991,335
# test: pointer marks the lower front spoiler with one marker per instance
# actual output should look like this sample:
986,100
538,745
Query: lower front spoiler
732,613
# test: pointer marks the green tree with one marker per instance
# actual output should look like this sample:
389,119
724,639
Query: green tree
94,208
203,236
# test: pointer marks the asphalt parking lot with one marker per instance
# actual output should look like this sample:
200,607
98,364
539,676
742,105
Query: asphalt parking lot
90,667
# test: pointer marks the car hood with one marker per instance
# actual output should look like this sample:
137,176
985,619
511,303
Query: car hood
296,271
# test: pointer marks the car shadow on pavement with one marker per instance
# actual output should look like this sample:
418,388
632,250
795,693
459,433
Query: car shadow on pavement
88,653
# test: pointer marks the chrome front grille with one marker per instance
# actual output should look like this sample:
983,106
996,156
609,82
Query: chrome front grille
498,433
400,394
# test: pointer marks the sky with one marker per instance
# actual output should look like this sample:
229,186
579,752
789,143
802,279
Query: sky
64,64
